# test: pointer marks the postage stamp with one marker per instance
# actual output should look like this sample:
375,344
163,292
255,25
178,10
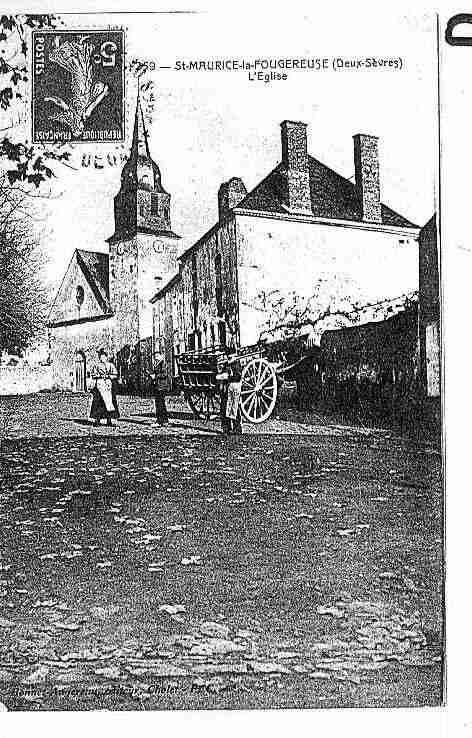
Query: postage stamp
78,86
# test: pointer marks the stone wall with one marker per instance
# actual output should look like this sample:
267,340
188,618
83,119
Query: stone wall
124,335
370,372
157,263
25,379
134,266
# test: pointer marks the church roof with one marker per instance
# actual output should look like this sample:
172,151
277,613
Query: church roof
332,196
94,265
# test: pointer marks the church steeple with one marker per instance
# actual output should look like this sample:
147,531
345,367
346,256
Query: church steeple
140,145
142,205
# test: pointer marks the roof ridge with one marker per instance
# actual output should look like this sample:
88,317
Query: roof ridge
89,251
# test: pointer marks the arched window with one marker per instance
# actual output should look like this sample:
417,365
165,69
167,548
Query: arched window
80,295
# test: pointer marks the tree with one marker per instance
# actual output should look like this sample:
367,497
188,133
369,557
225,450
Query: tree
23,162
23,297
23,168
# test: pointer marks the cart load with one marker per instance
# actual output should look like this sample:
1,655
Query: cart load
198,371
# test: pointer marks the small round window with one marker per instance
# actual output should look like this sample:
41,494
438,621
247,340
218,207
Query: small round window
79,295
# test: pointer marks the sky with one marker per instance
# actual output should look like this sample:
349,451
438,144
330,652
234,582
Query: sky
210,126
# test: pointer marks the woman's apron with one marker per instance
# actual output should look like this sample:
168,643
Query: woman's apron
232,403
104,386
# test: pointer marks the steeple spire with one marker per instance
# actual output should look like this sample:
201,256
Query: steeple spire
140,170
140,145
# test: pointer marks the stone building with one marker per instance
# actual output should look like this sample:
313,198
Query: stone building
301,224
103,300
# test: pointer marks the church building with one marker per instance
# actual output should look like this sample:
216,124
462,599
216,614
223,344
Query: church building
103,300
302,226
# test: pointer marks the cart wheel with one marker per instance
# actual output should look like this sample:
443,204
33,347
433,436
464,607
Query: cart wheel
204,406
258,390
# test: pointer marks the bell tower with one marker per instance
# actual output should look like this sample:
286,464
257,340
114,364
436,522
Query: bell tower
142,204
143,254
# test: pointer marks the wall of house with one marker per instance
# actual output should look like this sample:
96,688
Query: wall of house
66,341
168,329
205,319
186,318
289,256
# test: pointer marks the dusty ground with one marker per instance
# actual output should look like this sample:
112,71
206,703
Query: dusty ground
53,414
146,569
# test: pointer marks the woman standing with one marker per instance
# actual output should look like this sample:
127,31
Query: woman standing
104,404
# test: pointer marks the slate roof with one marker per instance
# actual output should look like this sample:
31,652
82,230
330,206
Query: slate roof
94,265
332,196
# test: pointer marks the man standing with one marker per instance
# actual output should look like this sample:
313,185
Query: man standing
233,410
222,378
229,379
159,386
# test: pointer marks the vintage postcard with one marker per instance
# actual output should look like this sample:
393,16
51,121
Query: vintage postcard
220,361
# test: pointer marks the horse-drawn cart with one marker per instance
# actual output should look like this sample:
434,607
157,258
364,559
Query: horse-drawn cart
198,371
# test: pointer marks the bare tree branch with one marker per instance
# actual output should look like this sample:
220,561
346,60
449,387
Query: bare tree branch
289,313
23,296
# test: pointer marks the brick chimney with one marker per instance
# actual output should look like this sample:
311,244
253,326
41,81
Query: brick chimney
230,194
295,164
366,164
